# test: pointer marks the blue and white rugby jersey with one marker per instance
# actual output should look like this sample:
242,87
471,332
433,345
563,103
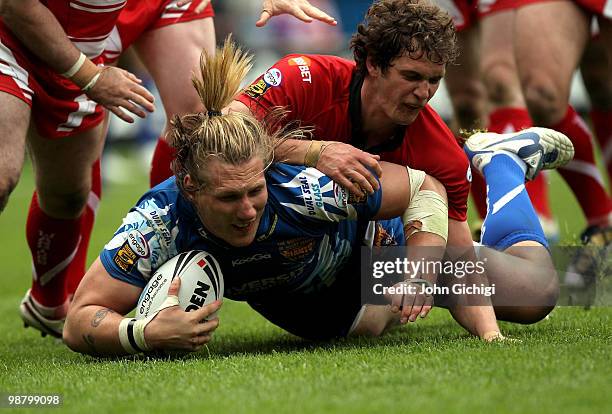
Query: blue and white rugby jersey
307,232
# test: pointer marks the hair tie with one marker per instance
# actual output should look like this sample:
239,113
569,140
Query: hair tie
214,113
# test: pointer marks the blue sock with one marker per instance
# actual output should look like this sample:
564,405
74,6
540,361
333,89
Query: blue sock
510,215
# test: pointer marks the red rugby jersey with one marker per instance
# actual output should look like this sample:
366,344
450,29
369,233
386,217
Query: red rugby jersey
323,92
87,22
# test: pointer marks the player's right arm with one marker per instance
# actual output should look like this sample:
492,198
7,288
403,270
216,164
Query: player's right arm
352,168
92,324
113,284
39,30
347,165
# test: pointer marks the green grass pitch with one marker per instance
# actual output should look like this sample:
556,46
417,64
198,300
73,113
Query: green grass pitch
563,364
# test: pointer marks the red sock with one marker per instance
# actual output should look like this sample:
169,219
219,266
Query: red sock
602,122
53,243
76,268
581,174
505,120
538,193
160,165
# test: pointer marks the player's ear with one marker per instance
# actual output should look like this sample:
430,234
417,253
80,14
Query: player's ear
373,70
189,185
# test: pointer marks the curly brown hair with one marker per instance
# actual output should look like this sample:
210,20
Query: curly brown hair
393,28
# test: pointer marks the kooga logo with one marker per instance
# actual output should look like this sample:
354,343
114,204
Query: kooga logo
255,258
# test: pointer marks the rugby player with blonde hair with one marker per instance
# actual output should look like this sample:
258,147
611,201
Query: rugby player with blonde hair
229,198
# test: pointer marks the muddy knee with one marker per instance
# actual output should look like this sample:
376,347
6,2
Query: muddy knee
66,205
7,185
547,104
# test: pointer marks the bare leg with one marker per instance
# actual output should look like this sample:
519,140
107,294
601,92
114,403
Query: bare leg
605,32
498,62
526,283
159,49
14,121
63,170
464,83
520,274
546,62
546,65
468,96
596,70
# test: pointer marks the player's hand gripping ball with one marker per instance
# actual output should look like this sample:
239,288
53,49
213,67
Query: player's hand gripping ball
201,283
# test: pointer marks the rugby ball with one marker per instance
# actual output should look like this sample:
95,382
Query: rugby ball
201,283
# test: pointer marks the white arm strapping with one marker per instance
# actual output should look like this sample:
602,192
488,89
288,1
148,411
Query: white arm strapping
428,210
131,331
76,67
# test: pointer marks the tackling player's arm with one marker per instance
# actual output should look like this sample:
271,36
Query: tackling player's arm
428,240
420,200
479,320
95,315
38,29
352,168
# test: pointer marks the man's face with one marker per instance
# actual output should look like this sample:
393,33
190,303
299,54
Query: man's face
231,204
406,87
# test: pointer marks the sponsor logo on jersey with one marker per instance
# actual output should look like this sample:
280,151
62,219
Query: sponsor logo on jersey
259,285
296,249
355,199
343,197
382,237
138,243
257,89
340,195
300,61
273,77
133,226
160,226
311,194
255,258
125,257
303,64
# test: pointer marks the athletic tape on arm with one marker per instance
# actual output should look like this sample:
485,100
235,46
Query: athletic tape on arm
427,208
131,331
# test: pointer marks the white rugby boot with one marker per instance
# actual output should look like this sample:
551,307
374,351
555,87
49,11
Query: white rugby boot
49,321
539,148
